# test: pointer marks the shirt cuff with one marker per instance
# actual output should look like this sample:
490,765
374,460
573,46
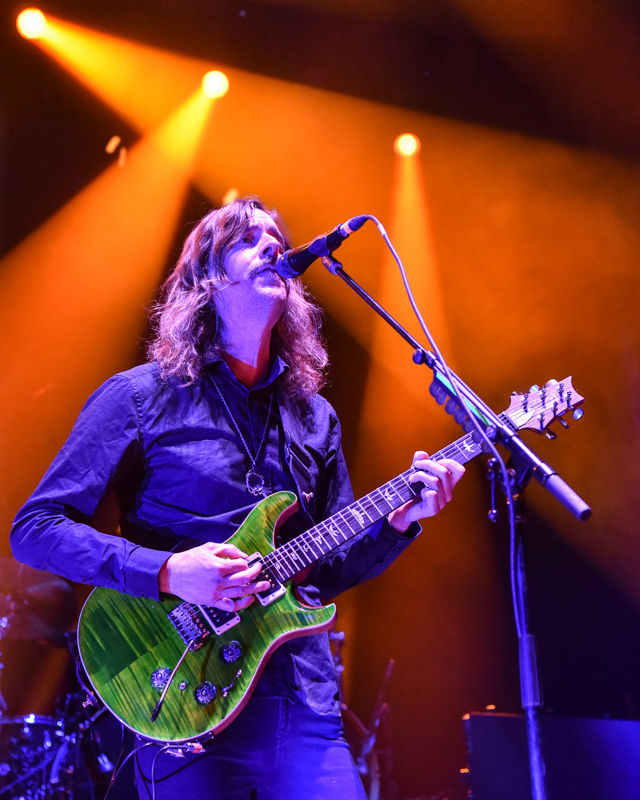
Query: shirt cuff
412,531
141,572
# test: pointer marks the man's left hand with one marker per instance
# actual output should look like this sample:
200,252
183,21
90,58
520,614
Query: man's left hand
438,479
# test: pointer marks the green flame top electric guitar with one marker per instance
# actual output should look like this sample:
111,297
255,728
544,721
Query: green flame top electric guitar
175,672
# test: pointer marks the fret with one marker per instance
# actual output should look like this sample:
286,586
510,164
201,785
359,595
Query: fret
335,533
392,486
304,557
318,540
407,484
369,502
356,512
404,485
311,542
286,559
343,516
273,562
382,496
456,453
293,552
304,549
297,558
451,451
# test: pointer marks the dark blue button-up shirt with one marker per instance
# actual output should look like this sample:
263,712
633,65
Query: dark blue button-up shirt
174,459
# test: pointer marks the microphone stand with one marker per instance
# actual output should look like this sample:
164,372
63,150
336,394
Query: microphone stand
526,465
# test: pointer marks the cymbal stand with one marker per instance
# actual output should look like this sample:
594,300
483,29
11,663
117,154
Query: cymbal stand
367,762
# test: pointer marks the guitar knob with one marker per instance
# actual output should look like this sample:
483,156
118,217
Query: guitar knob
534,388
160,678
577,413
204,693
230,652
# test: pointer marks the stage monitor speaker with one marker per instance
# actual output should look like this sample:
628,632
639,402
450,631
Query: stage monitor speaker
585,759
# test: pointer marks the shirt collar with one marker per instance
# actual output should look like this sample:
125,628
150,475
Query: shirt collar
277,368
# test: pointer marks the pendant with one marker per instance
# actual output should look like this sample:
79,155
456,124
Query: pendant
255,482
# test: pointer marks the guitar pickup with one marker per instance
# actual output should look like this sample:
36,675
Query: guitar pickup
276,588
219,619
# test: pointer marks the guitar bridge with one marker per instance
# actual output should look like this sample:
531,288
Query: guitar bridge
276,588
189,624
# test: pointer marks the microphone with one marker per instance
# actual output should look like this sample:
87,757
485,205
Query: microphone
294,262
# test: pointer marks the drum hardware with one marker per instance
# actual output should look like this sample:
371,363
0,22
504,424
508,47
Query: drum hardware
37,759
47,757
36,604
376,772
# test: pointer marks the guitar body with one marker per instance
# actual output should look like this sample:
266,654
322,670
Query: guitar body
123,640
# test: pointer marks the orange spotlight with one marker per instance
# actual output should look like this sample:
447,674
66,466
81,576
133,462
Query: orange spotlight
31,23
120,72
407,145
230,195
215,84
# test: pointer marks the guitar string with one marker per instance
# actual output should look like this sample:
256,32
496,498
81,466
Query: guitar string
324,535
347,526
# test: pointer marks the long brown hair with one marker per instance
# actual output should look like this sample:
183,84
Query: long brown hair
188,332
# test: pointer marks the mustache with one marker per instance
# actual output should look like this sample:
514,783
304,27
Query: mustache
266,264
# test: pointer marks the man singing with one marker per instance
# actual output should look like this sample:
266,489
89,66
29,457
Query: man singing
225,412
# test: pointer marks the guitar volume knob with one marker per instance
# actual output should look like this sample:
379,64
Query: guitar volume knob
160,678
204,693
230,652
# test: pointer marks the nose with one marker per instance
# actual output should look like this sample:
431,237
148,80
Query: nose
269,245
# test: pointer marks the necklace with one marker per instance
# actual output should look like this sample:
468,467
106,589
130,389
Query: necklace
253,479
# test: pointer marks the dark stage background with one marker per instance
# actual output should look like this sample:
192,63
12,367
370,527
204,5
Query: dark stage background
518,222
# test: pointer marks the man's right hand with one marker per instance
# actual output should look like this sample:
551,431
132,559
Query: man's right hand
213,575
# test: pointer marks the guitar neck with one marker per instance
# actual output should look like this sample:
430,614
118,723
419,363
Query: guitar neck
307,548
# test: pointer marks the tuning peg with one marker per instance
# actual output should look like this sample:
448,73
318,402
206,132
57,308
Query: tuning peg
459,415
534,388
577,413
438,392
551,434
450,405
552,382
564,422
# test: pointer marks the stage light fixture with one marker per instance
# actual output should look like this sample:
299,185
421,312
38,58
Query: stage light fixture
215,84
407,145
31,23
230,195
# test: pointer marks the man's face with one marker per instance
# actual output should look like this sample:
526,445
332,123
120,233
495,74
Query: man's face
249,265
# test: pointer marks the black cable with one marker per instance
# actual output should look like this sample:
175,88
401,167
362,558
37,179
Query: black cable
153,769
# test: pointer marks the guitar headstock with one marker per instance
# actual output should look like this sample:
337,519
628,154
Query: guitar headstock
537,409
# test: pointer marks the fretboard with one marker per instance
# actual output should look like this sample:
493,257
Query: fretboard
307,548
